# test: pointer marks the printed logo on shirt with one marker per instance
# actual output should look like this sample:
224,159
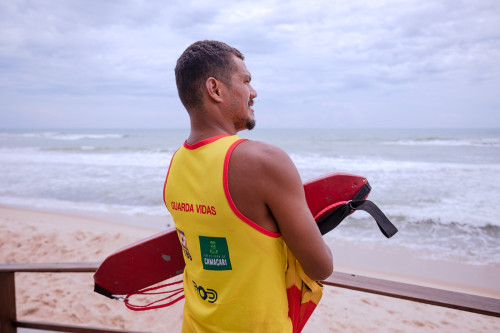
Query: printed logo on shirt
215,254
188,207
208,295
183,240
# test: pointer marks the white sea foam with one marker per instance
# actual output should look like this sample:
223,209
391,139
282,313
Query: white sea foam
479,142
438,190
73,136
74,157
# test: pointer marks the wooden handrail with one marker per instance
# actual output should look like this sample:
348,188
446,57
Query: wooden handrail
8,318
433,296
66,267
449,299
65,328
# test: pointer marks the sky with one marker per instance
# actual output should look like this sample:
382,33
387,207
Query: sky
314,64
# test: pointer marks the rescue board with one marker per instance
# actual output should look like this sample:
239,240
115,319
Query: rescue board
141,264
160,256
326,193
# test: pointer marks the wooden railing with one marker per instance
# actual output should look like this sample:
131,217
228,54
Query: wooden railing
449,299
8,316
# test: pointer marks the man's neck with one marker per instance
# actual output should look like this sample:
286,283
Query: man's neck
198,134
208,123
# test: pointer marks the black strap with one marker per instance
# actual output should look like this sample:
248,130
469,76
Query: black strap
385,226
363,192
100,290
333,219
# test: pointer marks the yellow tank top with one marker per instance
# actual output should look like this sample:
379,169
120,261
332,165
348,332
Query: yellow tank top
234,280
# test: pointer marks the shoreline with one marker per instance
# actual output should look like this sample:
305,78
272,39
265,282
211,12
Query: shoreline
377,261
43,236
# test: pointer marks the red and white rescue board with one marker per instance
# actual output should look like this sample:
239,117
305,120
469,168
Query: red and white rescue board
159,257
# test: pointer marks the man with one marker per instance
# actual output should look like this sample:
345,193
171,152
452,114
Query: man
235,203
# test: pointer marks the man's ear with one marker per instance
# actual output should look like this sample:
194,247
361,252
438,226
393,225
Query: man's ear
213,88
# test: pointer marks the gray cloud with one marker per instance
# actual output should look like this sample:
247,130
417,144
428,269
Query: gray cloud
335,59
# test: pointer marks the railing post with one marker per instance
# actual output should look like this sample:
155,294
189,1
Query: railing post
7,302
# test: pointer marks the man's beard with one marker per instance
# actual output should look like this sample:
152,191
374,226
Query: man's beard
246,122
250,124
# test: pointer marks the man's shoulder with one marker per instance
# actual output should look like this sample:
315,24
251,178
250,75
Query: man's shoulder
261,159
260,153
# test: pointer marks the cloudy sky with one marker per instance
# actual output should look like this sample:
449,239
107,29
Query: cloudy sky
337,63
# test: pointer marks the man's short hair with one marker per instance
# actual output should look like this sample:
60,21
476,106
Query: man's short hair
197,63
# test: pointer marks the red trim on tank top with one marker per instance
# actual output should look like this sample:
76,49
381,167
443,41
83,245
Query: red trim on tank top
230,200
203,142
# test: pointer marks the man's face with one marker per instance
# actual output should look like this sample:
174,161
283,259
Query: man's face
241,97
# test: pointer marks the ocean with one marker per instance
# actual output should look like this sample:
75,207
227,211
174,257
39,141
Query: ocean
438,186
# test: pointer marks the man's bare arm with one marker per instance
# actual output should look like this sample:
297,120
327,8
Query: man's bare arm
267,188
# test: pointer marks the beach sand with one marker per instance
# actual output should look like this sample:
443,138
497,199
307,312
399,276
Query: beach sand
28,236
